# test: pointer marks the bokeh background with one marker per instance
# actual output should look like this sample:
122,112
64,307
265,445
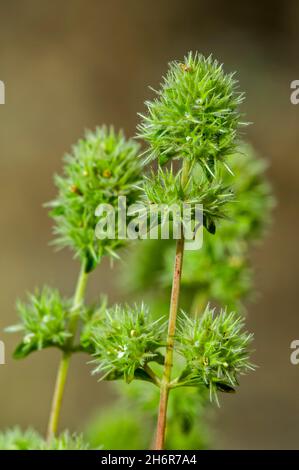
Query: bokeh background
73,65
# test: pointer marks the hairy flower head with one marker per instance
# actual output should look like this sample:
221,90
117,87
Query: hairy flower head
125,341
215,348
44,320
102,166
195,114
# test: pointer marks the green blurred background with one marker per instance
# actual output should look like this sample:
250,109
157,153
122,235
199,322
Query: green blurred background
72,65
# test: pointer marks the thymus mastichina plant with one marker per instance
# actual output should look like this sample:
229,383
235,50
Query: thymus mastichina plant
101,167
194,119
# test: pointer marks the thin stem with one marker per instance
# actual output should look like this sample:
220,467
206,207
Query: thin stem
78,299
174,304
164,389
58,395
152,375
65,360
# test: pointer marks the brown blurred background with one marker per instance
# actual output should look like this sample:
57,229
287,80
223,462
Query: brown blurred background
72,65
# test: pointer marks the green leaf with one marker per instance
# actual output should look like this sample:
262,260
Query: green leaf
22,351
224,387
141,374
209,225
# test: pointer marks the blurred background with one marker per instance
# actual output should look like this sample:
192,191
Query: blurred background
73,65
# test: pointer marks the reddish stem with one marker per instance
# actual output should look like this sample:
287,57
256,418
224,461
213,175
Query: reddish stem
174,303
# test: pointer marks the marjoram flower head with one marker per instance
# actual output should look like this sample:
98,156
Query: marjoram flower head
102,166
195,114
216,350
125,341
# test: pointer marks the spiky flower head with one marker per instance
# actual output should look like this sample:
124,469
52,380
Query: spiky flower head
195,114
44,320
126,341
164,189
16,439
215,347
65,441
102,166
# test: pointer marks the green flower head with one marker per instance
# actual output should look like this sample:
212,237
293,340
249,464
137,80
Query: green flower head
44,320
216,350
16,439
195,114
102,166
126,341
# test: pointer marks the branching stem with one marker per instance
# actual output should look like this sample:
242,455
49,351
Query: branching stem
65,360
174,304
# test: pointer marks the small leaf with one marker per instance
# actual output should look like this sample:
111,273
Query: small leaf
23,350
224,387
141,374
209,224
158,358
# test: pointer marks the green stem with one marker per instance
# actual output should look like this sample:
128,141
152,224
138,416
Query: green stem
174,304
165,383
152,375
65,360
